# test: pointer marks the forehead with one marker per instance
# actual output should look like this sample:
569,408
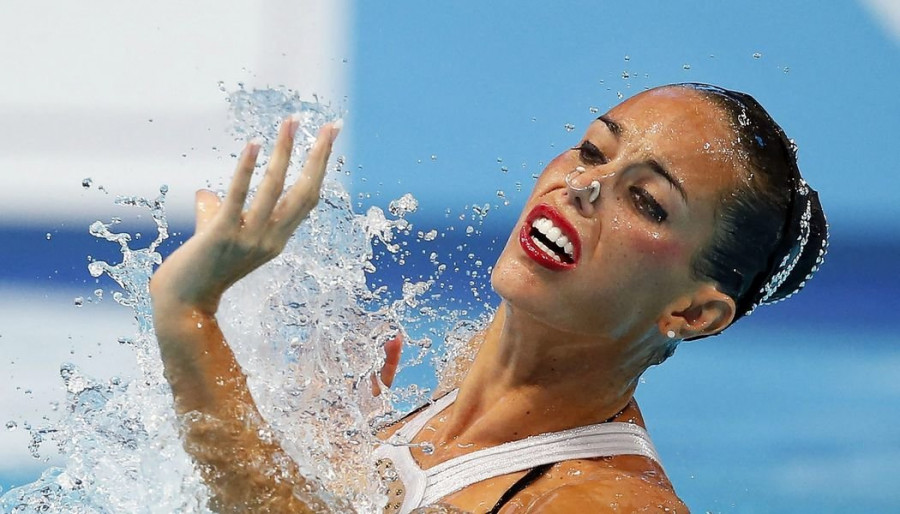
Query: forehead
685,131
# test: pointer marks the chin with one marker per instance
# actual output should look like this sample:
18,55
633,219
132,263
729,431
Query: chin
511,277
517,284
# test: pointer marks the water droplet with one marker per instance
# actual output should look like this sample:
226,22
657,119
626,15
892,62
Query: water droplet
626,75
427,448
403,205
336,241
11,425
504,169
79,301
470,229
433,157
786,69
430,235
627,58
593,110
569,127
48,236
619,95
685,66
86,183
757,55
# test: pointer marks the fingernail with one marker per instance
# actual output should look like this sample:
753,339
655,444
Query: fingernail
254,145
295,121
336,128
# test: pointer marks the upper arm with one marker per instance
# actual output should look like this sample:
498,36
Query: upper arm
628,494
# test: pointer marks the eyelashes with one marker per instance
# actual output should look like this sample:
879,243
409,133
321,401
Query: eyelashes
590,154
643,201
647,205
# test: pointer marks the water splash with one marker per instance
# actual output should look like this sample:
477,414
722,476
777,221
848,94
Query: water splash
307,328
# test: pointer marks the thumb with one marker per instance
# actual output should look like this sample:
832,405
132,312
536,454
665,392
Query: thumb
392,350
206,205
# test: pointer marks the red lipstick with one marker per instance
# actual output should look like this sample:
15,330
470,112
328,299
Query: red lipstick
549,239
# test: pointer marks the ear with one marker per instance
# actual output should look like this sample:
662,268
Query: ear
706,312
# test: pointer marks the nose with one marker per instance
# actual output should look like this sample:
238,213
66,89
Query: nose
584,197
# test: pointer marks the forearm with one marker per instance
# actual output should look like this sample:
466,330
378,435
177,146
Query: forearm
241,460
199,365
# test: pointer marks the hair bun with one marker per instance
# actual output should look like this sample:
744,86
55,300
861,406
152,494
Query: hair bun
801,250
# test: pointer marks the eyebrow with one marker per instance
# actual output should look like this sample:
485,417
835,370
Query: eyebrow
661,170
611,125
654,165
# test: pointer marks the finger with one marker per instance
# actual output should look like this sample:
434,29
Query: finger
273,183
303,196
233,205
206,205
392,350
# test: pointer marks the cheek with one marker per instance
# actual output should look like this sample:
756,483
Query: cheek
657,247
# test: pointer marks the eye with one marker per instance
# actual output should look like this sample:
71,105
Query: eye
647,205
590,154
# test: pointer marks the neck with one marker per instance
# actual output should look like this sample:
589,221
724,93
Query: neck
529,378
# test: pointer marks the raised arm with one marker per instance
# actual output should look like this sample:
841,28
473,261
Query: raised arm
241,461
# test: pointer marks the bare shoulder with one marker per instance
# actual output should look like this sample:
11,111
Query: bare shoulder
609,491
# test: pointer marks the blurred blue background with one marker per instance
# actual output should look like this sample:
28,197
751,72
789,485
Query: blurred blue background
461,103
794,409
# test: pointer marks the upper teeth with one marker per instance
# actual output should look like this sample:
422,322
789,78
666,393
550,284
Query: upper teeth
554,234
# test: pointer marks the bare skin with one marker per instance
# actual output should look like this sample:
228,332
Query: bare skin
565,349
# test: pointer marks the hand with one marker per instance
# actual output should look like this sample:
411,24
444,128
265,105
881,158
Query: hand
392,351
229,242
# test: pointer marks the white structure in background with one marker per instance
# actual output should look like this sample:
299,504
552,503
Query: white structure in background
887,13
81,83
126,93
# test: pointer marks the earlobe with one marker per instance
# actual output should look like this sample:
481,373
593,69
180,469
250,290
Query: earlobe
707,312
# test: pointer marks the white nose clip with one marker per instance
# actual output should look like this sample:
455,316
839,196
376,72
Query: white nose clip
588,194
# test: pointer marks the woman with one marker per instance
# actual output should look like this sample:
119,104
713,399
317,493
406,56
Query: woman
681,210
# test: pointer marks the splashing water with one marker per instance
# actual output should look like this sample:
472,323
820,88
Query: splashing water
307,328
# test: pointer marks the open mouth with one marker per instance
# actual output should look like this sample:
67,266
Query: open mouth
550,239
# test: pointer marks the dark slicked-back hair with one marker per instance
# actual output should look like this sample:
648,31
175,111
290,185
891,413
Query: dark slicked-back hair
771,235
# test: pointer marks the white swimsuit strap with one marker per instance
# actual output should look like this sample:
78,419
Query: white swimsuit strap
425,487
592,441
396,449
412,427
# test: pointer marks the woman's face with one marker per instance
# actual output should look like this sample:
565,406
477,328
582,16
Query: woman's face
664,160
